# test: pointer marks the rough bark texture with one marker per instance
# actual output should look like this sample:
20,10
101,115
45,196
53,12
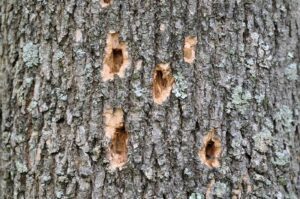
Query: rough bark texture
244,82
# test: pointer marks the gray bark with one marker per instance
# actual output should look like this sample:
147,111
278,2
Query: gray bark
244,82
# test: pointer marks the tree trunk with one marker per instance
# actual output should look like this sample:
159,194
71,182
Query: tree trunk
149,99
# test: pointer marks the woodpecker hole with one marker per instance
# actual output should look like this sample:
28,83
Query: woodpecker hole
116,132
116,57
116,60
211,150
118,147
162,83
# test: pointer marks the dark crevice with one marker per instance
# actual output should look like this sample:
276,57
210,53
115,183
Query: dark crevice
209,150
276,35
60,120
116,60
160,80
119,145
290,29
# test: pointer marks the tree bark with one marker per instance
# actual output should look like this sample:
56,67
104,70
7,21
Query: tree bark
149,99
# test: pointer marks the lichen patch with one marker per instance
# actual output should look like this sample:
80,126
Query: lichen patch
162,83
116,132
210,152
31,54
189,49
116,57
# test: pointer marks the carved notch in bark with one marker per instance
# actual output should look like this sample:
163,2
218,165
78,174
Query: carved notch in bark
189,49
116,132
105,3
116,57
211,150
162,83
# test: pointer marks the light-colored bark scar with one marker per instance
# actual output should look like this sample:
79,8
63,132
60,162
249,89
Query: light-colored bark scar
209,189
116,132
105,3
162,83
189,49
78,35
116,58
210,152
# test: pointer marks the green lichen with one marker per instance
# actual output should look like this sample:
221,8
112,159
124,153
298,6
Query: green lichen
262,140
46,178
220,189
262,179
282,180
58,55
282,158
59,194
196,196
138,91
290,54
291,72
259,98
28,81
21,168
268,123
292,195
80,53
237,147
31,55
285,116
180,88
61,95
241,99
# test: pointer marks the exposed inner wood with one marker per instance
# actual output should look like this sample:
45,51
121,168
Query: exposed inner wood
162,83
105,3
211,150
116,60
116,132
116,57
119,142
189,49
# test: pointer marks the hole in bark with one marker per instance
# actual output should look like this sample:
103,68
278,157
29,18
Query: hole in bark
60,120
118,148
160,80
116,57
105,3
119,143
189,49
211,150
116,132
116,60
162,83
246,35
